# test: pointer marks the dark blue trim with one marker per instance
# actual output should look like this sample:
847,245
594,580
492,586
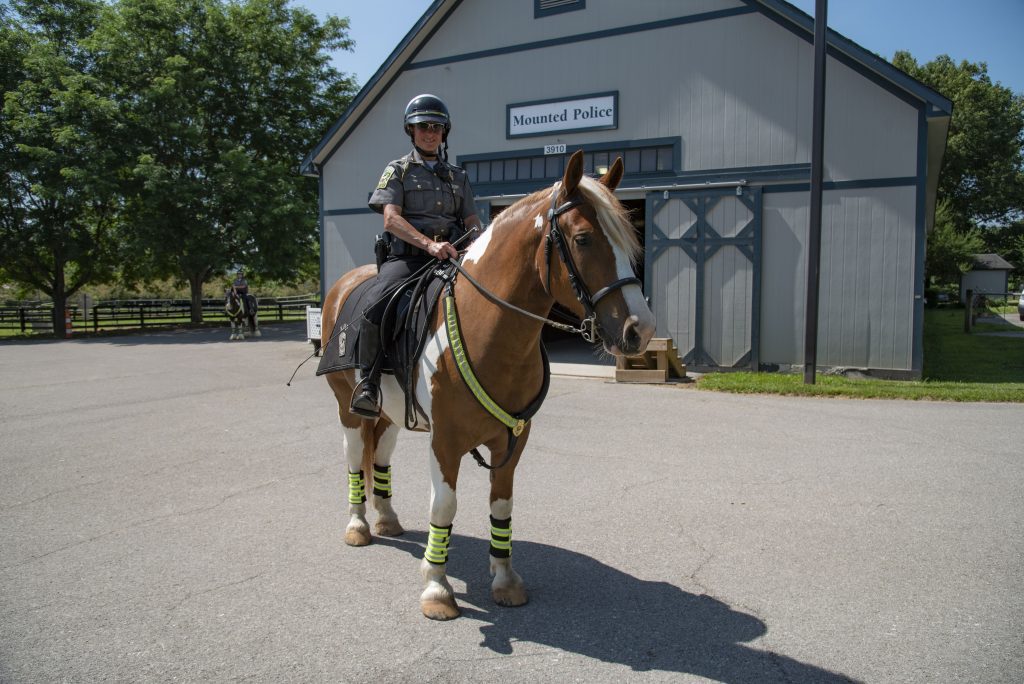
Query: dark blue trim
849,53
347,212
571,6
593,35
614,125
675,142
906,181
754,174
323,251
917,354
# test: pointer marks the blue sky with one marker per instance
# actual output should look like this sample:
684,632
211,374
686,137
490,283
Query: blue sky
977,31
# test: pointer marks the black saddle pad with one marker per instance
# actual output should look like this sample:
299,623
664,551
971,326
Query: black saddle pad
403,332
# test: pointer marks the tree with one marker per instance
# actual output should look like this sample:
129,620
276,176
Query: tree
220,103
983,168
1008,242
950,251
59,201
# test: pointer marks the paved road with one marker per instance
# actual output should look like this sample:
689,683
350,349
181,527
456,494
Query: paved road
171,511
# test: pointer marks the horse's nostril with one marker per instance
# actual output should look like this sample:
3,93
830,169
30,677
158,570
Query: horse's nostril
631,338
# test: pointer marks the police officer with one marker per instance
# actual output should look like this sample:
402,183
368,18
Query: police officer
241,288
427,205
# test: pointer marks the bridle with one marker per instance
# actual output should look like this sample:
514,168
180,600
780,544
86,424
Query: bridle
590,329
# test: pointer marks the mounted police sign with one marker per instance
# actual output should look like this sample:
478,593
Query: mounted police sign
584,113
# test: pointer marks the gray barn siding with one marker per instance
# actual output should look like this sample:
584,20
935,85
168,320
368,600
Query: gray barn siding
480,25
678,277
867,283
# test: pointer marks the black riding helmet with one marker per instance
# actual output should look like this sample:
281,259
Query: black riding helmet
427,107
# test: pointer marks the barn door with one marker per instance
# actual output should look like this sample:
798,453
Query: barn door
703,254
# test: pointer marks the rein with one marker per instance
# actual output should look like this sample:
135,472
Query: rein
588,329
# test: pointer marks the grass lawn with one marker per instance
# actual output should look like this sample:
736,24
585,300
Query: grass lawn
957,367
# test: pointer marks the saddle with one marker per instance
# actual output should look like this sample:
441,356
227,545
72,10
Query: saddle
404,329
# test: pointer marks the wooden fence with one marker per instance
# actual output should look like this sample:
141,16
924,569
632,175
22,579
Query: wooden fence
34,317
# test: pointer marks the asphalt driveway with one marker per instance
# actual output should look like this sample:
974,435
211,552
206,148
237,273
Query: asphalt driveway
170,510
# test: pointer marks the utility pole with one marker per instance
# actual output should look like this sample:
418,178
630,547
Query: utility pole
817,171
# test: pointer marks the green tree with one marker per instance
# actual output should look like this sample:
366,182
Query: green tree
220,102
1008,242
983,168
59,202
949,251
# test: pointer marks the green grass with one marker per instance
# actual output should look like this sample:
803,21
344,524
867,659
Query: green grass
957,367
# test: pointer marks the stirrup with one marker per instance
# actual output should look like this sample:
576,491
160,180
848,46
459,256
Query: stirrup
365,399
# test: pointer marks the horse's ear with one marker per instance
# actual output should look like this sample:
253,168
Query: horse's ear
612,178
573,173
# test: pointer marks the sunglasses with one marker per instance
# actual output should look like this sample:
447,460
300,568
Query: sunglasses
430,127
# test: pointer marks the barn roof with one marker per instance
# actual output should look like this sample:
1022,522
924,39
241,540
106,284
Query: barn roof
938,108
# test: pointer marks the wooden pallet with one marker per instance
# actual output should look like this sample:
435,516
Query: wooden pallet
657,364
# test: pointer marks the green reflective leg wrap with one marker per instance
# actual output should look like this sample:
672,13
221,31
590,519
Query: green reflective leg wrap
356,488
382,481
501,537
437,544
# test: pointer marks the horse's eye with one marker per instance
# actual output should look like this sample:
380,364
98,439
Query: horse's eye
582,239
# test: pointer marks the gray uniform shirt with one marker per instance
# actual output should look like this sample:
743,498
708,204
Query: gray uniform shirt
432,205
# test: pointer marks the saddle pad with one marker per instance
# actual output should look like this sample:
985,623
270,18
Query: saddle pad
340,352
404,332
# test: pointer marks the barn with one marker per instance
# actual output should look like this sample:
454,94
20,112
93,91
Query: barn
709,103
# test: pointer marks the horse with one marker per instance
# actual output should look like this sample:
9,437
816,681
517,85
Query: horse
528,259
239,315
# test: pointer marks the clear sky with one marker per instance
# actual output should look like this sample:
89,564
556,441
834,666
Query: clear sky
987,31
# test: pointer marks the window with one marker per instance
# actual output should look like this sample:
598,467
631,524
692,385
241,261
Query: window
653,158
545,8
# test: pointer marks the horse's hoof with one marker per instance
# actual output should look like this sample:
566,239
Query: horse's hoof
357,537
388,528
439,610
510,596
257,334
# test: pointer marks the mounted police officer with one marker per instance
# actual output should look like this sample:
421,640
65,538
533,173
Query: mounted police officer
241,287
427,205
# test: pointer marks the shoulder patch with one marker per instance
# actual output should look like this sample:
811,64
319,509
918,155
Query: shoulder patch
385,177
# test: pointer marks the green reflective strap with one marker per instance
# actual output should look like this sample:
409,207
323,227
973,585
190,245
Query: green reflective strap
437,544
459,352
501,538
382,481
356,488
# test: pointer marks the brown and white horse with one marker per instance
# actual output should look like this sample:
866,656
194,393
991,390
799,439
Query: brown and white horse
518,259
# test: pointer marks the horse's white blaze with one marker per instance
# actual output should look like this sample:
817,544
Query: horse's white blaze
633,294
479,246
538,222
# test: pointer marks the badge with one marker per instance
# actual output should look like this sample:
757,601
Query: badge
388,173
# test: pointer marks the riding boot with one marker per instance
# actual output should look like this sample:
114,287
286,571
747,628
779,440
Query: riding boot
366,397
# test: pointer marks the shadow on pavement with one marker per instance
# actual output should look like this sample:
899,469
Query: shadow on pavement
580,605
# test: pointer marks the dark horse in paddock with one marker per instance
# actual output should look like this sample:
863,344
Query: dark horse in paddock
572,244
240,315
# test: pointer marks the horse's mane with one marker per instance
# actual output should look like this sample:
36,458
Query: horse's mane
613,217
